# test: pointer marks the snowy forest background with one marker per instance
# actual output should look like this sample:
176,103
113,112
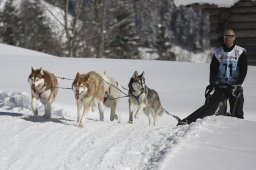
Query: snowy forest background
103,28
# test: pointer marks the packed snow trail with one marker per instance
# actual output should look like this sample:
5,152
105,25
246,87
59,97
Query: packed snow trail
33,142
37,143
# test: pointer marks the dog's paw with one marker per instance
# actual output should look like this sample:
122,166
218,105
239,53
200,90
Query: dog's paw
47,116
130,121
35,112
114,117
81,125
93,108
136,116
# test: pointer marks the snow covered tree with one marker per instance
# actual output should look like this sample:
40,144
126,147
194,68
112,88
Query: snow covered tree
163,45
123,41
104,28
189,28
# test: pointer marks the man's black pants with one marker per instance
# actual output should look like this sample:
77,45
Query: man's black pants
236,102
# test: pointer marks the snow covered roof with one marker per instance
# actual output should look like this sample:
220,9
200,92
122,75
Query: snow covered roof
220,3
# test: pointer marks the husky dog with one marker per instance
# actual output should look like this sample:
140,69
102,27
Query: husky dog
87,88
146,99
43,88
112,93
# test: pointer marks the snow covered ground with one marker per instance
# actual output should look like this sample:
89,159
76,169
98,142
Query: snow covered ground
34,143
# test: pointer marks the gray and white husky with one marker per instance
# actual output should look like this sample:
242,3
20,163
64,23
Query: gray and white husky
43,86
145,98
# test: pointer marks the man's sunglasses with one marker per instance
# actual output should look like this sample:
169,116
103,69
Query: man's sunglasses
228,36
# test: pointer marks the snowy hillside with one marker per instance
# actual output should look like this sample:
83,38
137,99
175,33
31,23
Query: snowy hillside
158,25
34,143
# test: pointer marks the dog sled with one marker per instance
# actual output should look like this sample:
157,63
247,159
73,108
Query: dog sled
215,104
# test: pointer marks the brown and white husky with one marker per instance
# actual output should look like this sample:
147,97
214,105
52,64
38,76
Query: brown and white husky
43,86
87,88
95,87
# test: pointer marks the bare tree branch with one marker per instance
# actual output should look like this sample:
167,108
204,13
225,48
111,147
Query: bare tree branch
52,14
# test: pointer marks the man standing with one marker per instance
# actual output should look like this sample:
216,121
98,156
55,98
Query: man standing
228,70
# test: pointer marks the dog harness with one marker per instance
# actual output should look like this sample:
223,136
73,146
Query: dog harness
40,93
131,89
137,97
37,91
106,97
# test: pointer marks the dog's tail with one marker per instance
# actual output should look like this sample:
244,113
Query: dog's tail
174,116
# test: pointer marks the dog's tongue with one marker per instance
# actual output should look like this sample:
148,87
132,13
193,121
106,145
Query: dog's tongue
35,90
77,96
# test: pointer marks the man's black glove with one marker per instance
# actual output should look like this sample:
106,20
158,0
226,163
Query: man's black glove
209,91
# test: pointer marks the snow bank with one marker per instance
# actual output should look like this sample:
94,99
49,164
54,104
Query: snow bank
187,56
21,101
14,99
182,55
220,3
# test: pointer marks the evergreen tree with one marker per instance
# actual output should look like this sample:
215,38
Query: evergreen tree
163,45
9,24
123,42
125,26
35,32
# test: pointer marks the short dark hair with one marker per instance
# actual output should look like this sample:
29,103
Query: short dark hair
228,28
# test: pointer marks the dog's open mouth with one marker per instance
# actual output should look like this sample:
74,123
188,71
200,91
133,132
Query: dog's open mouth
77,95
35,89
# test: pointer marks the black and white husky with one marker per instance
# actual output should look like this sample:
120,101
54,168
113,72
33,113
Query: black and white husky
145,98
43,86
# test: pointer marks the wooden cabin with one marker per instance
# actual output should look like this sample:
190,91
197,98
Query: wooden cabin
241,17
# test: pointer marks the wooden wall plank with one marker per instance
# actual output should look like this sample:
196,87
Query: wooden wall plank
243,26
235,25
242,18
242,10
246,41
246,33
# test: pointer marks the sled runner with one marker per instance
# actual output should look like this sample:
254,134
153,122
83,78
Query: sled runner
215,104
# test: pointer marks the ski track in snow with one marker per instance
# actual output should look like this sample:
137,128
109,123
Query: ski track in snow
99,145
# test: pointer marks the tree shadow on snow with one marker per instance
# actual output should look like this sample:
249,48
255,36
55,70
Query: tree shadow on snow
10,114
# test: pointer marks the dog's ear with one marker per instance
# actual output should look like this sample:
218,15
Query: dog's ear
32,69
77,74
87,77
135,74
41,71
142,74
